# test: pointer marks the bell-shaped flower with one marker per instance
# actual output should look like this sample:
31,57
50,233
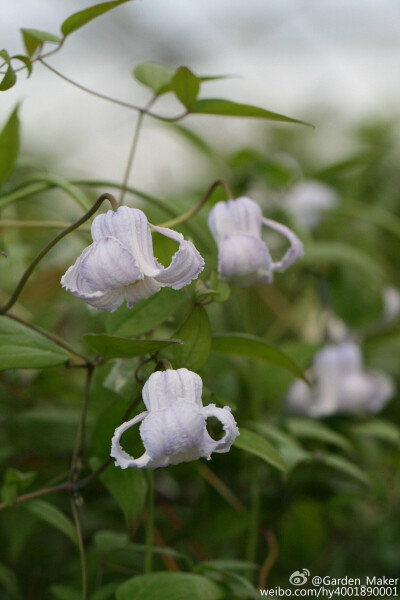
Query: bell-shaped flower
120,264
340,385
309,200
243,257
173,428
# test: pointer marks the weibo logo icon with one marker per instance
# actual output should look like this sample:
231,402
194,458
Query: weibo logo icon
299,577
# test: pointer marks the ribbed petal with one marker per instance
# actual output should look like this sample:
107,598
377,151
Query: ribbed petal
131,228
176,430
73,281
163,388
141,290
109,265
244,260
122,458
295,250
235,216
225,417
186,263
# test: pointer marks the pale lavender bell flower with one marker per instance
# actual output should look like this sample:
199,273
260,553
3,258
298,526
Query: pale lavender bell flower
173,428
120,264
340,385
243,257
308,200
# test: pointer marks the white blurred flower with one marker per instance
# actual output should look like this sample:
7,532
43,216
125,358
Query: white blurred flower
243,258
308,200
174,425
120,264
391,304
340,385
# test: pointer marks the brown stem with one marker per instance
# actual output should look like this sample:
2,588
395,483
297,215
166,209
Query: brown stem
80,434
81,547
43,492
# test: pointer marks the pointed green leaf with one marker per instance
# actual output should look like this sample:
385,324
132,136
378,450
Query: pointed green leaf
155,76
9,145
227,108
65,592
22,348
34,38
344,466
79,19
170,586
9,582
27,62
53,516
255,444
9,78
185,85
308,429
111,346
145,315
381,430
127,486
195,332
250,346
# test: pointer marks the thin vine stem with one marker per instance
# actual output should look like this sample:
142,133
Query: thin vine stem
49,246
193,211
80,434
6,223
50,336
81,546
132,152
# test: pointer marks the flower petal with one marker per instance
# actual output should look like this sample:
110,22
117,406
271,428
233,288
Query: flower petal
244,260
186,263
122,458
109,265
73,281
163,388
295,250
229,425
140,290
235,216
131,228
299,399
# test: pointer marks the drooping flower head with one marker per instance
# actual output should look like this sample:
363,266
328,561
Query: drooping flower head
243,257
120,264
173,428
340,385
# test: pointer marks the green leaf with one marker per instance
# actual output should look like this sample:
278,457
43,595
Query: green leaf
308,429
22,480
53,516
381,430
195,332
127,486
9,582
9,492
170,586
291,452
145,315
27,62
23,348
34,38
344,466
111,346
79,19
340,253
227,108
9,78
186,86
255,444
9,145
106,592
155,76
250,346
65,592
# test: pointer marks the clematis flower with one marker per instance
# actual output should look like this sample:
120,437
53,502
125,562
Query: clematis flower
173,428
120,264
243,258
340,385
308,200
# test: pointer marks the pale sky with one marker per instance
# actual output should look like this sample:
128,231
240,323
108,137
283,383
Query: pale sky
290,55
